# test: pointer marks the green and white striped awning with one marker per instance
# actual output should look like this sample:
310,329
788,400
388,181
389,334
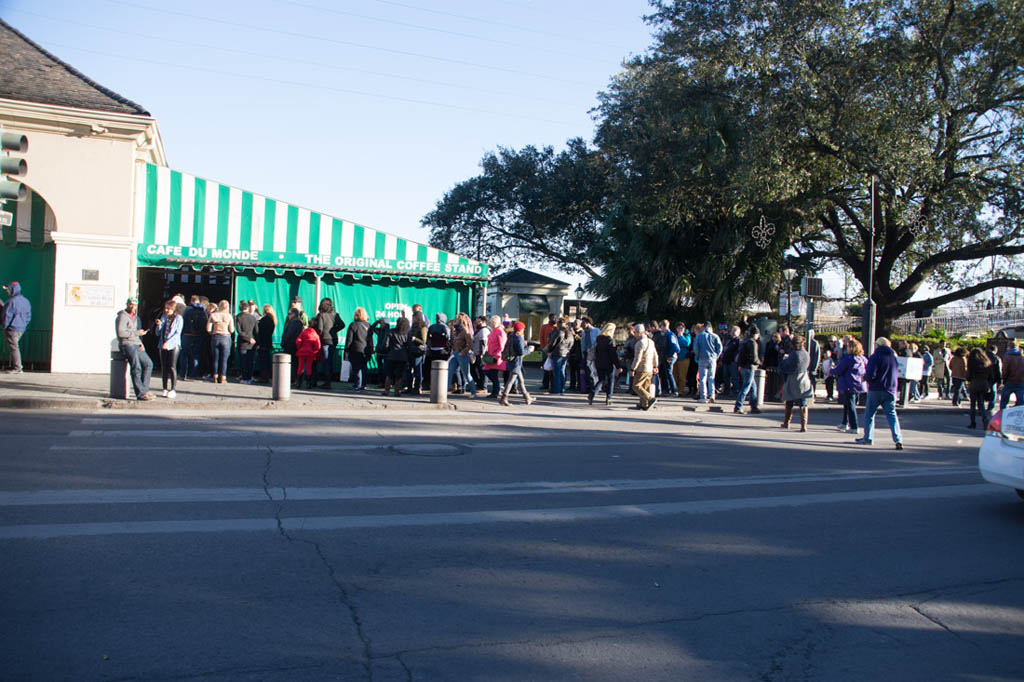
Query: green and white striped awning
182,219
32,222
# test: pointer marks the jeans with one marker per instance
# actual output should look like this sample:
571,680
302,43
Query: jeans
746,385
993,391
13,338
666,376
492,374
246,359
559,376
958,390
730,377
327,354
978,406
188,361
706,380
169,368
468,382
516,377
141,366
942,383
849,403
912,391
605,379
887,402
358,373
220,344
1016,390
415,378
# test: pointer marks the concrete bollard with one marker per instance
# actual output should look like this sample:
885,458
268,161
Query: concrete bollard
282,376
439,381
120,381
759,375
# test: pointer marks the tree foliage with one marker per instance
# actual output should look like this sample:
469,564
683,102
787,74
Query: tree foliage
530,206
926,96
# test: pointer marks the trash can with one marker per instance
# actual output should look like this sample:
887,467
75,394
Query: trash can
282,376
759,385
772,385
439,381
120,381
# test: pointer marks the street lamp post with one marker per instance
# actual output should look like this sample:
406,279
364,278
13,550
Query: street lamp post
579,300
789,274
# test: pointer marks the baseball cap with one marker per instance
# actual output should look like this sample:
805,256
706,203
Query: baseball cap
131,300
519,326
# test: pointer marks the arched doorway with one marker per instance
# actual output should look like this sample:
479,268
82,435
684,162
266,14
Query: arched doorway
27,256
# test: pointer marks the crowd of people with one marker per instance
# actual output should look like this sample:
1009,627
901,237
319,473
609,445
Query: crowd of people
655,360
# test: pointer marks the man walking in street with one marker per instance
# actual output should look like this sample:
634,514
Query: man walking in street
748,359
645,366
17,315
706,349
882,376
128,341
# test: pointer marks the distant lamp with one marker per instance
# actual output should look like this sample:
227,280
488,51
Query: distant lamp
789,274
579,300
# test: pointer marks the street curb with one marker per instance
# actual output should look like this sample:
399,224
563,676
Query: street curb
50,404
254,404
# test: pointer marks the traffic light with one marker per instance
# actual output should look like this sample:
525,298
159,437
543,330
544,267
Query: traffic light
12,190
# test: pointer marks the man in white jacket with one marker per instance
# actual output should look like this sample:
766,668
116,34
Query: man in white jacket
645,366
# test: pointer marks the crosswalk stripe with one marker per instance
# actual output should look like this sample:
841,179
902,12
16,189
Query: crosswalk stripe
203,495
563,515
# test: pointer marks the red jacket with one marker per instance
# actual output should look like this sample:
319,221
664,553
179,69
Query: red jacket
308,342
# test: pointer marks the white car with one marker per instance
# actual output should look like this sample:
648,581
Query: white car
1001,457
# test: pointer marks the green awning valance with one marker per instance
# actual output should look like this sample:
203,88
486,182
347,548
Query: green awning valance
182,219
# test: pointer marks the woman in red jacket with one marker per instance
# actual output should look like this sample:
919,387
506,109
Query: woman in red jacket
307,348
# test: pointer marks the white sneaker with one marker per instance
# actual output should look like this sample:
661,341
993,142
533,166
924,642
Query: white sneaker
164,394
171,394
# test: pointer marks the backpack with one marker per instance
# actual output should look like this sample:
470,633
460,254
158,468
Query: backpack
437,338
508,353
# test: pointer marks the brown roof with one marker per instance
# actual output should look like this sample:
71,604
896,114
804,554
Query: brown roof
31,74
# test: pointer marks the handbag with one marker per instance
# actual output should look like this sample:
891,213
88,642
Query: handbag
549,366
490,359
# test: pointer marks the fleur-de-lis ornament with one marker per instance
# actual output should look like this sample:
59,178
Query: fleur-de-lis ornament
914,221
763,232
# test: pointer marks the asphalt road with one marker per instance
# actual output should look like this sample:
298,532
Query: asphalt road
549,544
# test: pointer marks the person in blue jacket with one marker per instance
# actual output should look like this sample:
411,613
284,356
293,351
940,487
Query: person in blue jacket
882,376
17,315
706,349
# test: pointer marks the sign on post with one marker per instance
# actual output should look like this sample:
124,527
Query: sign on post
6,218
911,369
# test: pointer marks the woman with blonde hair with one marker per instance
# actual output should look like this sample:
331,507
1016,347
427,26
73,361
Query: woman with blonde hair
356,345
606,362
220,326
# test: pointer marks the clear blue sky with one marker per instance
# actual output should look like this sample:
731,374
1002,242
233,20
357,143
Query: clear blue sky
367,110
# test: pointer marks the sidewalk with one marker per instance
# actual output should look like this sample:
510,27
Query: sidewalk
42,390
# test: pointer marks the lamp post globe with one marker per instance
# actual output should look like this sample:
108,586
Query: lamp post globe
579,300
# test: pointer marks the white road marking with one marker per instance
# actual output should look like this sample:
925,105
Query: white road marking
205,495
567,515
253,442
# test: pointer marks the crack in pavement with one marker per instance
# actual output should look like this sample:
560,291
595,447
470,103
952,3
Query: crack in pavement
942,625
621,629
343,592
